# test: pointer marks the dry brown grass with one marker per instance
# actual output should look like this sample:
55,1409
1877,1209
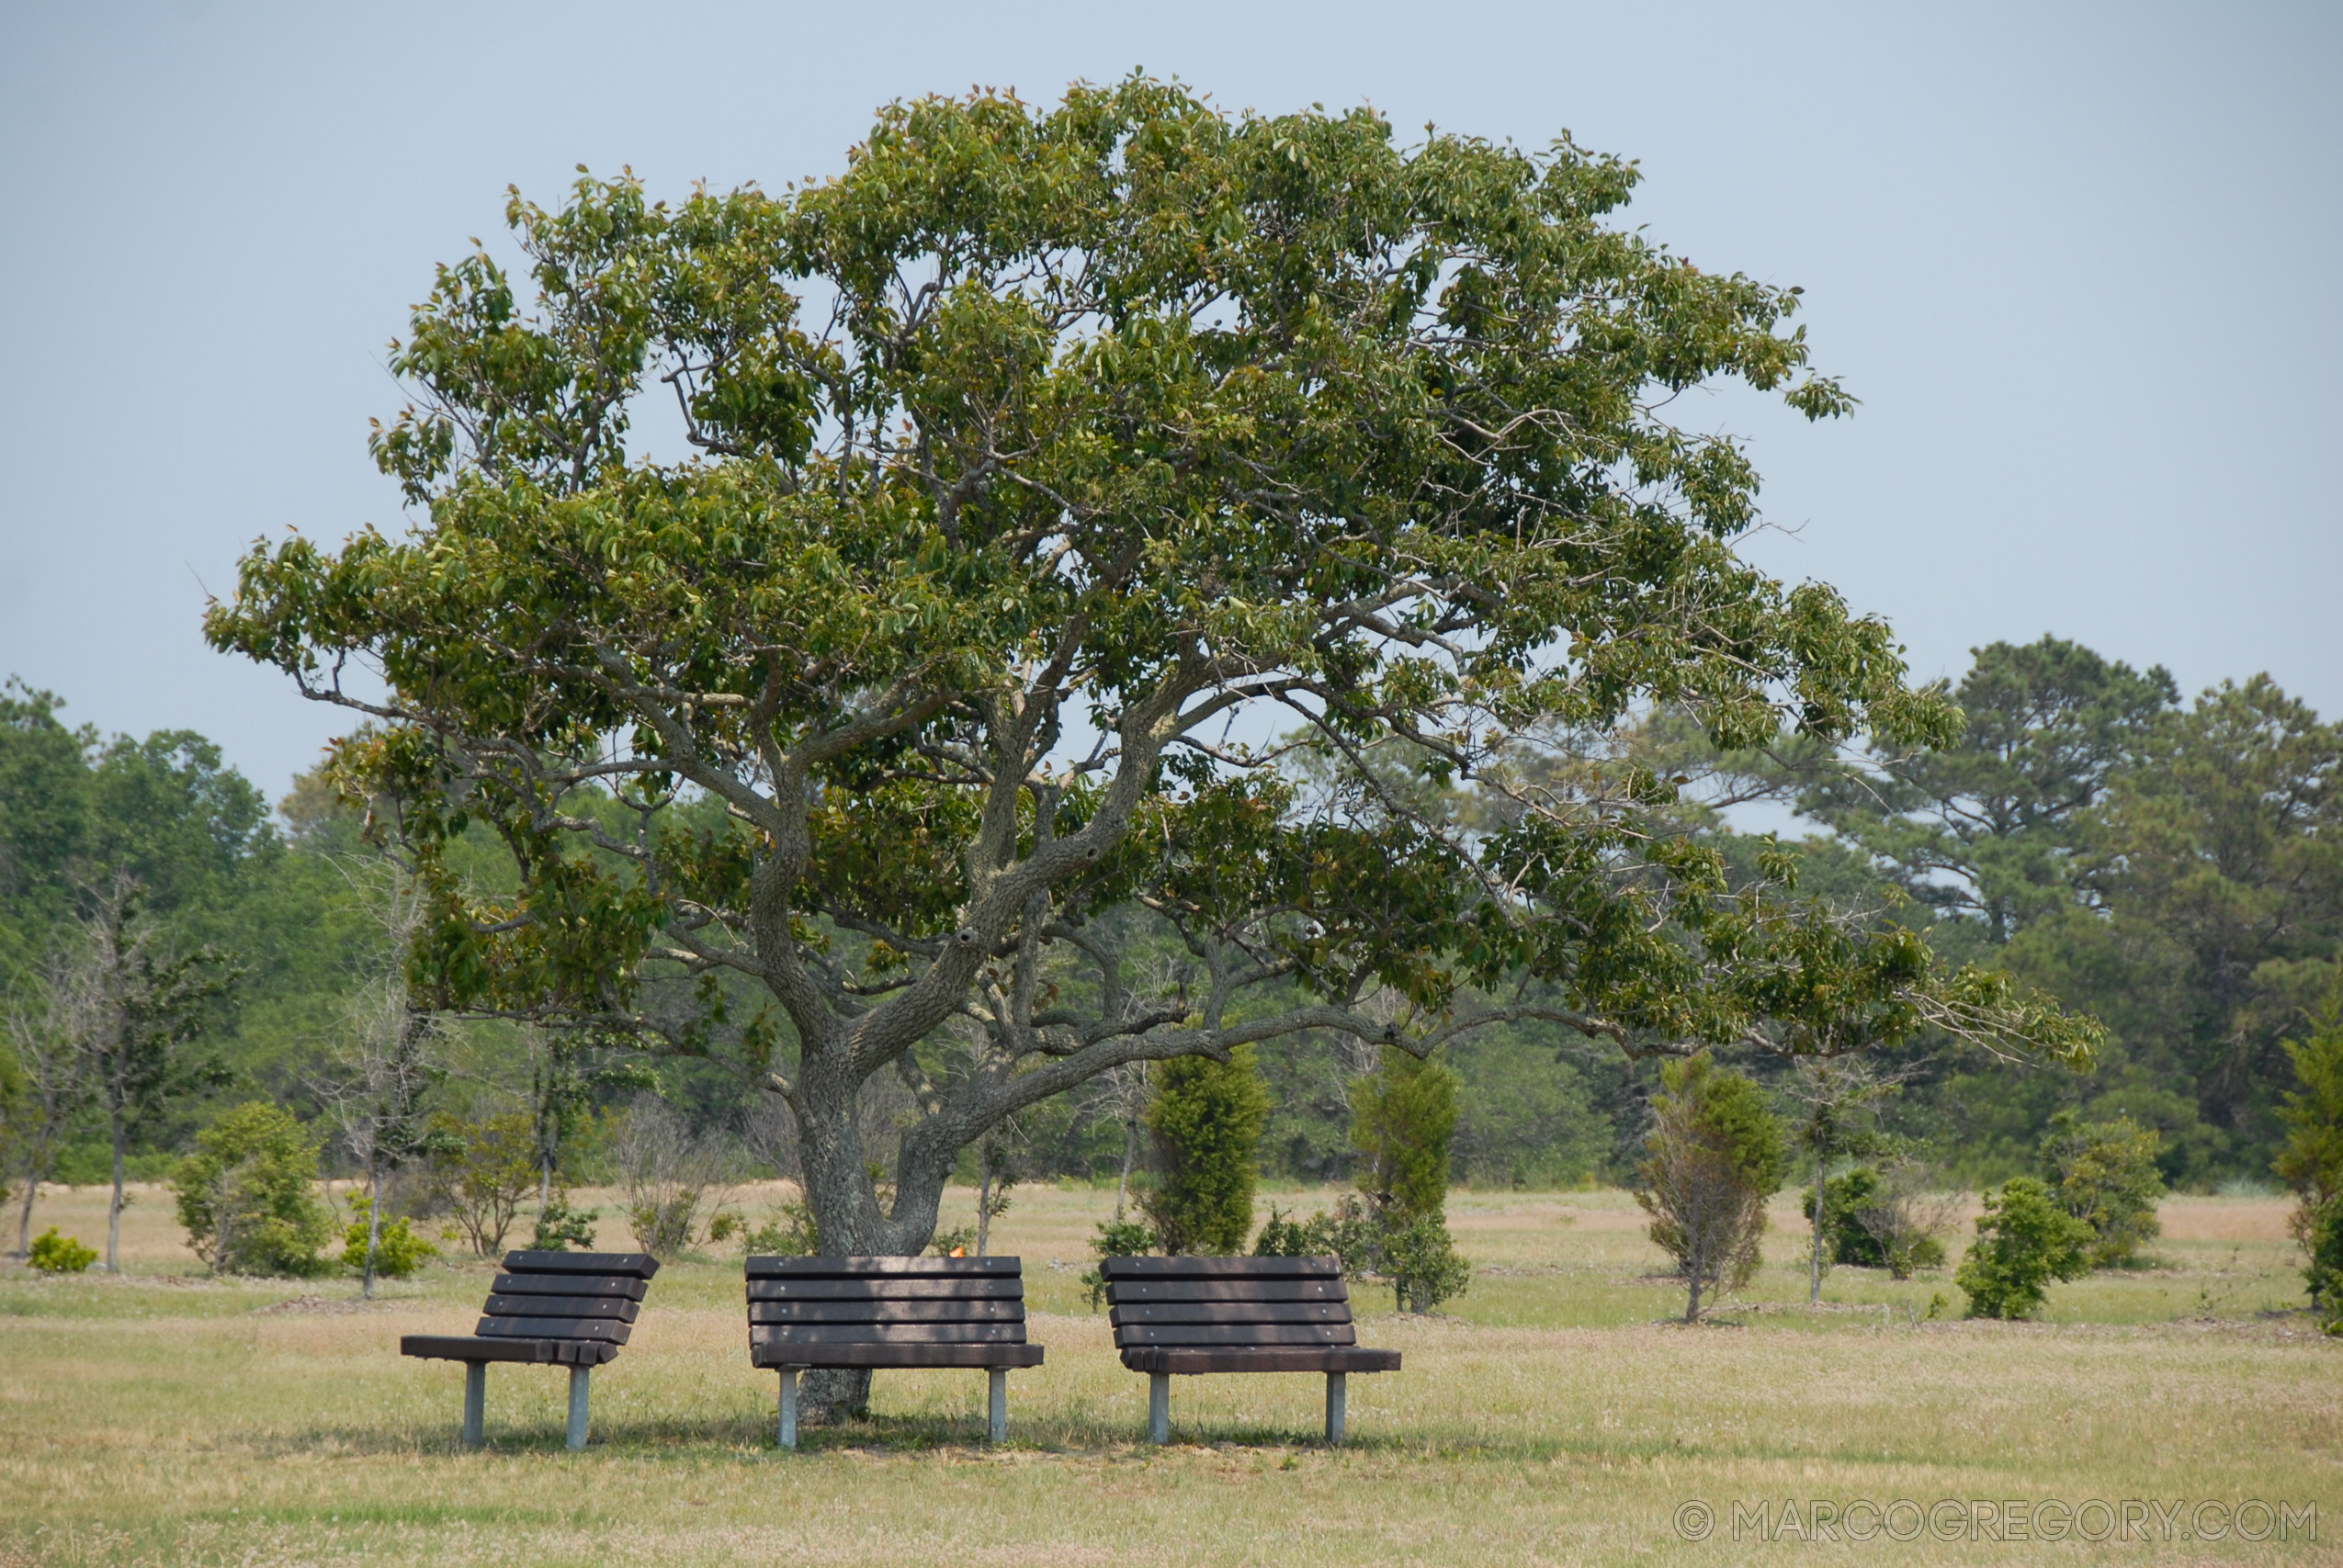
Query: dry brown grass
162,1418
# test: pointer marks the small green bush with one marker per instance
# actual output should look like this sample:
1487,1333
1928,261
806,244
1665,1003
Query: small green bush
54,1254
1282,1236
953,1241
2323,1246
2024,1241
398,1251
1421,1257
1844,1199
247,1199
1117,1239
2107,1178
559,1228
2311,1163
788,1232
1414,1251
1350,1233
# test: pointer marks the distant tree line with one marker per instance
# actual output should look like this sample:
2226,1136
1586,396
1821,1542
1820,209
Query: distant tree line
2175,868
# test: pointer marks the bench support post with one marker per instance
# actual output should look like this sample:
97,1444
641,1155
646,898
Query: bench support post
1159,1408
1337,1402
787,1435
581,1379
997,1404
475,1403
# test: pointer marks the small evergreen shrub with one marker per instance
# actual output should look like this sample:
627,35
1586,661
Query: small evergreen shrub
1208,1118
54,1254
1414,1251
1403,1117
787,1233
2024,1241
1116,1238
1714,1155
2106,1177
398,1251
2323,1246
1282,1236
559,1228
2311,1163
247,1195
1844,1198
1421,1257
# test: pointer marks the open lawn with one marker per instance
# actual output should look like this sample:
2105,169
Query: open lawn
163,1417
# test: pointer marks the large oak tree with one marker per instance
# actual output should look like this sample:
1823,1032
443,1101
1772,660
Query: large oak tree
1049,467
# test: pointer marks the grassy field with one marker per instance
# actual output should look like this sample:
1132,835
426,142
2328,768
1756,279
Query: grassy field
1549,1416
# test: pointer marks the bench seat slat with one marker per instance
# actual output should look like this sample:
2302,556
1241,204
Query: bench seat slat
616,1307
531,1284
898,1356
603,1328
1233,1312
634,1265
1236,1333
896,1290
1187,1361
1128,1292
472,1347
865,1268
887,1333
887,1312
1190,1267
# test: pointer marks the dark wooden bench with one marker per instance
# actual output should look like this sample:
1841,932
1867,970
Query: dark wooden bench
889,1312
569,1309
1189,1315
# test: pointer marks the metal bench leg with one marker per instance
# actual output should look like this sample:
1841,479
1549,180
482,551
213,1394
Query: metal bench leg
787,1435
997,1404
581,1378
1338,1398
475,1403
1159,1408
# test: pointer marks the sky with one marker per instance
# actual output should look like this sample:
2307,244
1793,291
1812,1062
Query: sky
2078,263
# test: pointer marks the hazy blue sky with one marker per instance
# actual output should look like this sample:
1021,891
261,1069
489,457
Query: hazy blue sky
2080,262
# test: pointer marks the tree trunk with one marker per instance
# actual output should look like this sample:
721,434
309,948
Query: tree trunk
373,1226
984,1198
847,1219
1814,1284
1130,1153
114,1210
24,1218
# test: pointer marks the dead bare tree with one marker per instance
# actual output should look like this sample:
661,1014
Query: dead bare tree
384,1066
1909,1208
670,1172
137,1006
47,1039
1835,1096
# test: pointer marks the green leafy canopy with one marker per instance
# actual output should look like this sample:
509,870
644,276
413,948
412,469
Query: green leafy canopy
1037,454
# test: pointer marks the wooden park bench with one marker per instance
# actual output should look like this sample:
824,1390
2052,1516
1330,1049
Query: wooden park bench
889,1312
569,1309
1189,1315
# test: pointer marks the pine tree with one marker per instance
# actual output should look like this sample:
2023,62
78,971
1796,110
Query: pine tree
1207,1119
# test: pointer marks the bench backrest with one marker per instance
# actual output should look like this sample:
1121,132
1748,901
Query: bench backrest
567,1295
1228,1302
815,1301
